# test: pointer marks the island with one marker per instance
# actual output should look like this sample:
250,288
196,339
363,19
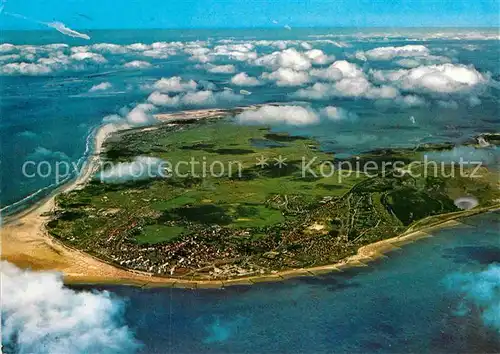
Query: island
237,204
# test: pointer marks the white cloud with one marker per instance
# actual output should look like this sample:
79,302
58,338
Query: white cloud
109,48
159,99
62,62
382,92
388,53
221,69
197,98
480,291
41,315
287,77
352,86
93,57
239,52
209,98
412,101
242,79
202,58
205,97
337,113
227,96
103,86
428,60
331,73
7,47
446,78
288,58
174,84
408,63
291,115
354,83
339,44
280,44
25,69
9,57
348,87
139,47
137,64
348,70
141,168
318,57
242,56
206,85
199,54
141,115
306,46
42,153
412,35
169,45
318,91
228,48
156,53
80,49
340,69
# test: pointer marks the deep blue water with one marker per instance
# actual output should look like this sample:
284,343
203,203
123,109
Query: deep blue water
406,303
49,116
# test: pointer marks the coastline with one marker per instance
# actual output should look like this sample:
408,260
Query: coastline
26,243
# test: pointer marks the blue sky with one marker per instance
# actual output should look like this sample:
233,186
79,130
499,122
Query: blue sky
93,14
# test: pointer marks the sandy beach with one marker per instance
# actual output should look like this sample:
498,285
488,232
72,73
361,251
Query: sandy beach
26,243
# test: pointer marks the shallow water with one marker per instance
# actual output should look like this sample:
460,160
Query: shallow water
409,302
